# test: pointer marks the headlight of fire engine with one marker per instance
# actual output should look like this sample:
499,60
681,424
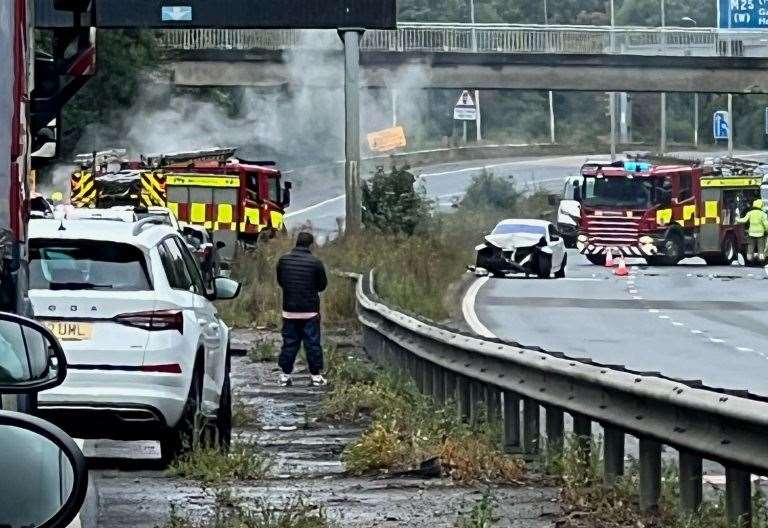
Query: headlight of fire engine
582,238
646,240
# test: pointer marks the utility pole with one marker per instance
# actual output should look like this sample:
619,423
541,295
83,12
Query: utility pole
612,95
354,204
663,94
696,120
478,119
731,125
551,96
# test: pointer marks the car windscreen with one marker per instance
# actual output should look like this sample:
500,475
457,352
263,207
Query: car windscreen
526,229
86,265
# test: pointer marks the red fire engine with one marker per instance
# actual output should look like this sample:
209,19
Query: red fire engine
663,213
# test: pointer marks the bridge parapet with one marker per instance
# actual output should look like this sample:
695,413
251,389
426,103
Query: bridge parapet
488,38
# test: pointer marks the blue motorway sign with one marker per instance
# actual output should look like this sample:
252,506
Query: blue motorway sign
742,14
720,126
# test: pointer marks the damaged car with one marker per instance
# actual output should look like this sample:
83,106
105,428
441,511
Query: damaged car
532,247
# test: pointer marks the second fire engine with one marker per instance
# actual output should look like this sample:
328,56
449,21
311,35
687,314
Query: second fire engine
664,213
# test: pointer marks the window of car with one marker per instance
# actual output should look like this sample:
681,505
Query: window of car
191,266
178,275
515,228
86,265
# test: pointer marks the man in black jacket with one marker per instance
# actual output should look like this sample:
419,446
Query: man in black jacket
302,277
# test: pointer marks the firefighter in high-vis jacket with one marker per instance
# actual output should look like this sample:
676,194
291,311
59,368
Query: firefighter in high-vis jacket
757,226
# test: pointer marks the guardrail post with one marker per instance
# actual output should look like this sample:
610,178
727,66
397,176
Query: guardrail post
463,398
738,497
418,373
582,430
428,376
613,455
555,429
690,482
511,422
438,390
650,475
476,402
449,386
494,404
530,426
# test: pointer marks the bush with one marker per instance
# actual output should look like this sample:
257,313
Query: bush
213,466
391,203
488,191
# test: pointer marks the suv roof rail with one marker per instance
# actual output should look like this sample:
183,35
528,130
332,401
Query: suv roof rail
150,220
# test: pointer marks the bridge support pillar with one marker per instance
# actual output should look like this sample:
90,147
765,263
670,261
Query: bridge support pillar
650,475
738,497
351,38
690,482
511,422
613,455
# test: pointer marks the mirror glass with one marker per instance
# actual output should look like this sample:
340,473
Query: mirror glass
26,355
226,288
38,478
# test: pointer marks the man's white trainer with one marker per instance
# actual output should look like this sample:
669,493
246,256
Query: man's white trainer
317,381
285,380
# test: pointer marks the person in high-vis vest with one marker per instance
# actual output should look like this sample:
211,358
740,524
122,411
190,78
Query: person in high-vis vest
757,227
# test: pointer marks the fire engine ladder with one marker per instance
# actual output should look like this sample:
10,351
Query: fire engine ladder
179,158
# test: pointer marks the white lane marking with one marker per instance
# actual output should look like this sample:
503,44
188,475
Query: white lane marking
716,340
653,310
468,309
664,317
633,291
541,161
677,323
580,279
744,349
637,298
696,332
311,207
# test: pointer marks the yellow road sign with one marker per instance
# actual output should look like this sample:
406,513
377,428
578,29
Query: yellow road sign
386,140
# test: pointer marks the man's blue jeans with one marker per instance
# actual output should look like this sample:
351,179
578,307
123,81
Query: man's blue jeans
296,331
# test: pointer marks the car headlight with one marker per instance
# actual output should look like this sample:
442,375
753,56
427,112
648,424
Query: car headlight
582,238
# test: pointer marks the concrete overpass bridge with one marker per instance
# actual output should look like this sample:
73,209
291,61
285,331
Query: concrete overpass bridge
581,58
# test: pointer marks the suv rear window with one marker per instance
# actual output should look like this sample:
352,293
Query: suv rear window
86,265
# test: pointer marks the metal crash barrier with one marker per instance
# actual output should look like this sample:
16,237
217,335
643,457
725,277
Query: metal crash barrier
511,384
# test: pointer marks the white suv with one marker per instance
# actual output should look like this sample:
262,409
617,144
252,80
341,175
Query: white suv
148,356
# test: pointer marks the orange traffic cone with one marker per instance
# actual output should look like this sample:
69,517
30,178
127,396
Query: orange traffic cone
609,258
622,270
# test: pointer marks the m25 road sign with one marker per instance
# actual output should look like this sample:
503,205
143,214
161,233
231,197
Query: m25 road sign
721,127
742,14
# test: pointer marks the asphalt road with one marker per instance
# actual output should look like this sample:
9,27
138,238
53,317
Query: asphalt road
690,321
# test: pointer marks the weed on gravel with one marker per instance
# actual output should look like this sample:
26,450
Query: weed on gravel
481,515
213,466
243,415
232,512
263,352
408,428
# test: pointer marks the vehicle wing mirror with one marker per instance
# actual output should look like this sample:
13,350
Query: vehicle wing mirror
287,194
577,192
220,245
225,288
553,199
31,357
45,478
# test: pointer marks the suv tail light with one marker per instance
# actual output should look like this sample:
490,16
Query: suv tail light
154,320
